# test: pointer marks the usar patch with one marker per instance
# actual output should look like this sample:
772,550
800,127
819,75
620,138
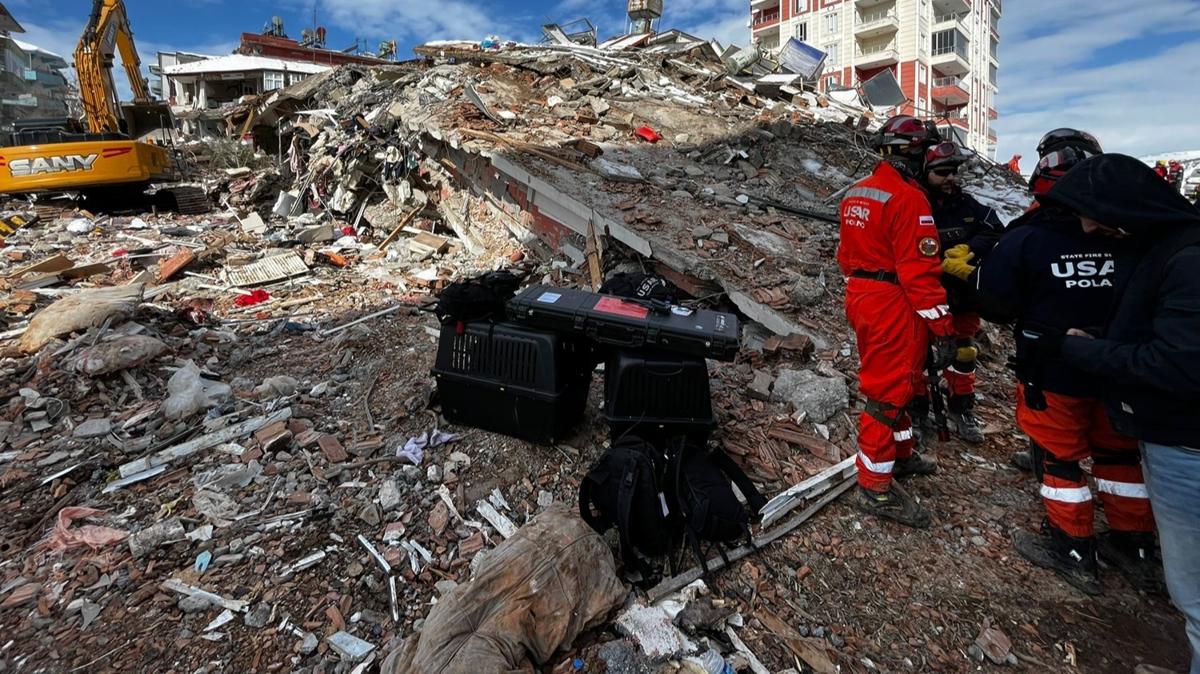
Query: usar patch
928,246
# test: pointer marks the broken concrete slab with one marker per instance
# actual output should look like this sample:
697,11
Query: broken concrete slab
817,397
92,428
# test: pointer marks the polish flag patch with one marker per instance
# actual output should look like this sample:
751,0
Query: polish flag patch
927,220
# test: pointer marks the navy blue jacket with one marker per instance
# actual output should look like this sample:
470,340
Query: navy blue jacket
961,219
1149,354
1047,276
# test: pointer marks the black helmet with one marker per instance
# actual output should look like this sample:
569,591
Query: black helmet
1066,137
906,134
1055,165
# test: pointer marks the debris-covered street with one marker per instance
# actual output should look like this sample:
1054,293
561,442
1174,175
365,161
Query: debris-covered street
223,449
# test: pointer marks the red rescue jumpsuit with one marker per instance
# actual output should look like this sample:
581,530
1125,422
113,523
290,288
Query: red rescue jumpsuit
894,300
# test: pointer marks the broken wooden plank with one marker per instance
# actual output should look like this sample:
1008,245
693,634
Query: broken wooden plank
677,583
794,496
203,442
400,227
50,265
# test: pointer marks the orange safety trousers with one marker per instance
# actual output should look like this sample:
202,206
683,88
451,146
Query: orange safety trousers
893,342
1069,430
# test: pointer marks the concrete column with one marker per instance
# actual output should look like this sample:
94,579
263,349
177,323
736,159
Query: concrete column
201,94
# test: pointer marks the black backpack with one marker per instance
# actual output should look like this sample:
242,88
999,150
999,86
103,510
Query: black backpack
700,484
658,498
476,299
626,489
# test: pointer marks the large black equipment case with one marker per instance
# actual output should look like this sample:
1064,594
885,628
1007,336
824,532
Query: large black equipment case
615,321
658,397
511,380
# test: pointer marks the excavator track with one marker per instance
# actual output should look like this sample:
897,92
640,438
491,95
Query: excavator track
185,200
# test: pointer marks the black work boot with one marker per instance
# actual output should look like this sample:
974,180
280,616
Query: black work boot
1072,558
915,465
962,418
894,504
1135,555
1023,460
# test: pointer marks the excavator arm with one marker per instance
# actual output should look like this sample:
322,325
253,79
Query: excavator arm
107,33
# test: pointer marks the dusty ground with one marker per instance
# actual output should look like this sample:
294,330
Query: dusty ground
903,600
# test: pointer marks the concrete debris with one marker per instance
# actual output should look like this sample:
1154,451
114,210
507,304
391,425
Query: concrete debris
817,398
251,387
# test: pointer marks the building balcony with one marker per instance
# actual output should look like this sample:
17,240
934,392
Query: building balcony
756,5
766,17
950,22
951,60
877,56
950,91
951,6
992,136
877,23
993,114
868,4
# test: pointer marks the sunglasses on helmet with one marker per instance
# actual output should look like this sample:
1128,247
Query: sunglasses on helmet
945,171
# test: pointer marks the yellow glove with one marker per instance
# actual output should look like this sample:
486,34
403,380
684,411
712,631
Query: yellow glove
961,252
958,267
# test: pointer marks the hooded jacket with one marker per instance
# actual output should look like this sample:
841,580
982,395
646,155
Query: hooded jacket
1048,276
1149,354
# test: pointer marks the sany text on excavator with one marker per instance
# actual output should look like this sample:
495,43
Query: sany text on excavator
115,152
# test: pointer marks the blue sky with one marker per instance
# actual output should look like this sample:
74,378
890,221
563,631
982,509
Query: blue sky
1126,71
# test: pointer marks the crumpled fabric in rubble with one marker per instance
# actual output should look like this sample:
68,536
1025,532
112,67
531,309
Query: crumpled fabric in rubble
532,597
91,536
414,449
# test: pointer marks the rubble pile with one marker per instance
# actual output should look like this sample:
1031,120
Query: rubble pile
221,448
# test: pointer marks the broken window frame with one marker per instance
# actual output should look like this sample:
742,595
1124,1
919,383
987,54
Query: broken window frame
273,77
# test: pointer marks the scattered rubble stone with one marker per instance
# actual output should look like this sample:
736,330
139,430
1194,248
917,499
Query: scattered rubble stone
817,397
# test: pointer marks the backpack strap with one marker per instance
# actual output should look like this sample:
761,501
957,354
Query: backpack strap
624,508
734,472
586,487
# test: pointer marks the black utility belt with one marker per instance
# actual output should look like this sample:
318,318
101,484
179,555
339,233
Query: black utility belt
885,276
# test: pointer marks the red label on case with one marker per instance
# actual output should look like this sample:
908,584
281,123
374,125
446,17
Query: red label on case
618,307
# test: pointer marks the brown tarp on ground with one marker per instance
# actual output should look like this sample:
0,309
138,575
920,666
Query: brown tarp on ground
533,595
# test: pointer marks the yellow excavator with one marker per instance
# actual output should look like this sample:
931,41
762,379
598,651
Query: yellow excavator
116,152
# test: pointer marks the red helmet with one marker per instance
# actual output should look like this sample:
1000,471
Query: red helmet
1066,137
946,153
906,133
1054,166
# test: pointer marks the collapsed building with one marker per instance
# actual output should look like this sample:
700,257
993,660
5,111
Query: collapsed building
257,479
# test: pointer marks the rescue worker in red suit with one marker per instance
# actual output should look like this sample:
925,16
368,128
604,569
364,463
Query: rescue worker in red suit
896,304
1160,167
964,226
1046,274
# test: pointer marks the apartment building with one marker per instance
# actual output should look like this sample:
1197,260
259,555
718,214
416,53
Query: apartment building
944,53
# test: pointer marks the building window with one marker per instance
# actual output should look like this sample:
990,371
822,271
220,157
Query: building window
950,41
831,23
272,81
296,77
801,31
832,51
800,7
